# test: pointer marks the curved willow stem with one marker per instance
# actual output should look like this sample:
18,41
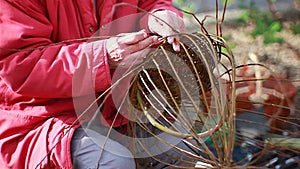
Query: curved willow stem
169,131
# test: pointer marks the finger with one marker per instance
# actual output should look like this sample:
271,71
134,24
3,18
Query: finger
176,46
174,41
141,45
171,39
132,38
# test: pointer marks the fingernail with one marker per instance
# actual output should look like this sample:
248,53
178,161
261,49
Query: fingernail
155,38
170,40
144,33
176,47
161,39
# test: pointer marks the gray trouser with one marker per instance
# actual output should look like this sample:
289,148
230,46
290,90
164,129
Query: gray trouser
87,145
88,152
163,154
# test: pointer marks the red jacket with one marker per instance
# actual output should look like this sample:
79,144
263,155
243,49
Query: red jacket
37,74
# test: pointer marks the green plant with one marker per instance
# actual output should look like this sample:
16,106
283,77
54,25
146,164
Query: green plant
295,27
268,27
265,24
186,5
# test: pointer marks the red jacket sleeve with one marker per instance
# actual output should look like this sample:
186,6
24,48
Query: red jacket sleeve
32,65
152,6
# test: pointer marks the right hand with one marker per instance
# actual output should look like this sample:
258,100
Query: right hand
167,24
129,49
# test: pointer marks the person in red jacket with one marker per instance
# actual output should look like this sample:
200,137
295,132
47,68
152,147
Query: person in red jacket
46,64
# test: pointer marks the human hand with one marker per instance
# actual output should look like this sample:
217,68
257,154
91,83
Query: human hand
129,49
167,24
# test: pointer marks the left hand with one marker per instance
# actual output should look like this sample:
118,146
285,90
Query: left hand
128,49
167,24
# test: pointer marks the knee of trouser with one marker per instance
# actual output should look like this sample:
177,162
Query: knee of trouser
122,163
89,147
120,159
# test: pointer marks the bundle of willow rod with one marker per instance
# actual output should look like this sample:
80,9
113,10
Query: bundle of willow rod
172,85
181,93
